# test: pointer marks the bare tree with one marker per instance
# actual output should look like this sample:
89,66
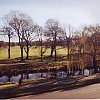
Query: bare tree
67,36
29,31
53,32
7,31
43,47
23,26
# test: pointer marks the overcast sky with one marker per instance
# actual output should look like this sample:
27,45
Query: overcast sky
74,12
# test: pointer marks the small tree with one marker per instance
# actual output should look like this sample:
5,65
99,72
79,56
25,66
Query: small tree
43,48
67,36
8,31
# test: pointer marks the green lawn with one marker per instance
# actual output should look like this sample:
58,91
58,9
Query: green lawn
34,52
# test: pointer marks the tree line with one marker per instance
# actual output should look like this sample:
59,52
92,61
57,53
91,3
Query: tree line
82,46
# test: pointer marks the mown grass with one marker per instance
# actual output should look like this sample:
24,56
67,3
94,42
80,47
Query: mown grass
34,52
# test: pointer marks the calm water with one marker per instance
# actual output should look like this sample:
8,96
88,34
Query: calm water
30,76
60,74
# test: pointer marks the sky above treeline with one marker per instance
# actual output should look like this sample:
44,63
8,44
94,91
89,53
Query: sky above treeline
73,12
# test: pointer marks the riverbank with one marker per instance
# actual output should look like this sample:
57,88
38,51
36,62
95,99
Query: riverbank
50,85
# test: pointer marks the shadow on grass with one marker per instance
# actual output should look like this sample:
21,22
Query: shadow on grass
32,59
82,84
9,61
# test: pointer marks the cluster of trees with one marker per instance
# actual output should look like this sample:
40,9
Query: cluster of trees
22,26
82,47
85,48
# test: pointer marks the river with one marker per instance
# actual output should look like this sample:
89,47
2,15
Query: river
59,74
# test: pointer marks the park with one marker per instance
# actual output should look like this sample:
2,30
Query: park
41,61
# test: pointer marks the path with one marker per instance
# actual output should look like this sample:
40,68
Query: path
87,92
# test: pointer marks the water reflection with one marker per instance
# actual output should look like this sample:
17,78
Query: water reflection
59,74
30,76
15,78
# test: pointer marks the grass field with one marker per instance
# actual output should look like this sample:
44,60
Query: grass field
34,52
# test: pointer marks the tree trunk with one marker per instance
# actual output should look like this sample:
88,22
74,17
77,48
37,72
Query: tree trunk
68,73
9,78
41,56
55,46
89,71
9,49
27,76
21,53
52,48
27,57
95,65
55,54
27,52
83,72
21,76
21,46
41,51
68,51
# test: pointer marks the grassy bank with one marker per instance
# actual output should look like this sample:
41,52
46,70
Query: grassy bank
52,85
8,85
